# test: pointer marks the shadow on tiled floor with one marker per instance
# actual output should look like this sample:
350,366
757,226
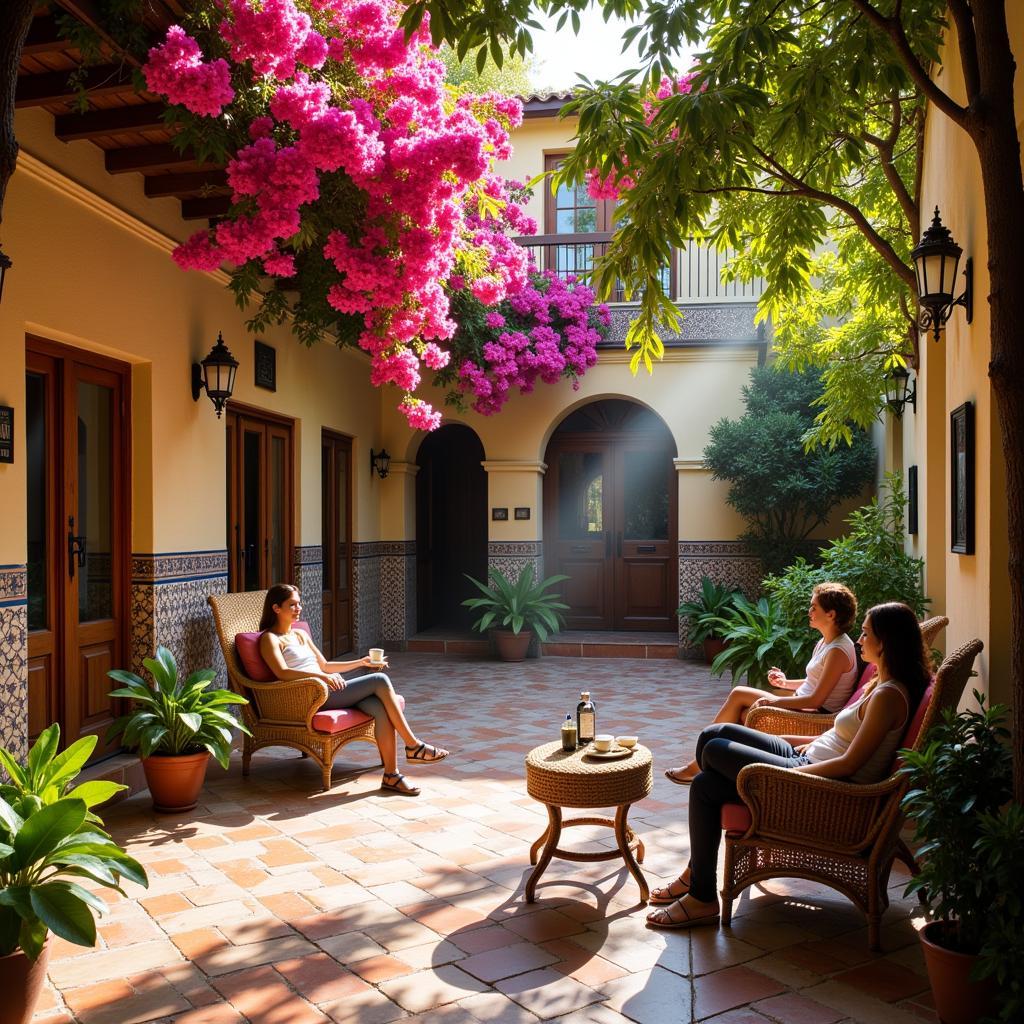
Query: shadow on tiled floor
274,903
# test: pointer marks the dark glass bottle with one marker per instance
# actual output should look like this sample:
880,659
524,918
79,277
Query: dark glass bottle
586,719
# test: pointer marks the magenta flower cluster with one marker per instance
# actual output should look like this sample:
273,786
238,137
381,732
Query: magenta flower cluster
338,92
548,331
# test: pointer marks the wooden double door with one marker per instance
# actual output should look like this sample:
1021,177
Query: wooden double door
78,525
336,495
610,526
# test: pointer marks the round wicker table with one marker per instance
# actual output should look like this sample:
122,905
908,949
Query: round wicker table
560,779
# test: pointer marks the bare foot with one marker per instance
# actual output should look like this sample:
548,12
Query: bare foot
673,891
687,912
685,775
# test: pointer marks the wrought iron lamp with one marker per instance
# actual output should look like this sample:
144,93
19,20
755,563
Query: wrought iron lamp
899,393
5,264
215,375
936,258
380,462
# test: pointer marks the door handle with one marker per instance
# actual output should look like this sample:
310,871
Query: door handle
76,548
618,544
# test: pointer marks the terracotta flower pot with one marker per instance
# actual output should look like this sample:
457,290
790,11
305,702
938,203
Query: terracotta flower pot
175,780
713,647
512,646
958,1000
21,982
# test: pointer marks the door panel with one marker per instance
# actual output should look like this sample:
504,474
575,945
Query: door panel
79,536
336,490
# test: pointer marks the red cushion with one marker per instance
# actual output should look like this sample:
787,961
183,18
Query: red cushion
247,647
735,819
865,677
344,718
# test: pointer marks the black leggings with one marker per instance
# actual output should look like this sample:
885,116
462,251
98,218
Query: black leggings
722,750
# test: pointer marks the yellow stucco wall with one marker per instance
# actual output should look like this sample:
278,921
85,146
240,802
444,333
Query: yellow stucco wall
971,589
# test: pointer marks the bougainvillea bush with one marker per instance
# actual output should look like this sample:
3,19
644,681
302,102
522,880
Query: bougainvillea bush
349,165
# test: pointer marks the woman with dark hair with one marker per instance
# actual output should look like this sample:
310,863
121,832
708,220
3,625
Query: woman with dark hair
859,747
830,676
291,654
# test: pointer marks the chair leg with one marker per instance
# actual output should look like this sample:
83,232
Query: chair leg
246,756
726,914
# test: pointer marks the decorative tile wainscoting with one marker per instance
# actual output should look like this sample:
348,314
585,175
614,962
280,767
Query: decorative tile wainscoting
309,578
727,562
366,623
509,557
169,607
397,592
14,659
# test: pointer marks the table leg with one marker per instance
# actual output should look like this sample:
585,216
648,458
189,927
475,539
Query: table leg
537,845
622,834
550,837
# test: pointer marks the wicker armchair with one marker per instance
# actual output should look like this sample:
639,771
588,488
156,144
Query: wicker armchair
837,833
790,722
279,714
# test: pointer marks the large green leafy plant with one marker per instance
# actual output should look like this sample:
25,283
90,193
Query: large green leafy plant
49,838
972,842
869,559
175,717
704,614
526,603
758,637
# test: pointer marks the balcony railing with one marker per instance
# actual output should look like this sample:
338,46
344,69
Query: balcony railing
694,274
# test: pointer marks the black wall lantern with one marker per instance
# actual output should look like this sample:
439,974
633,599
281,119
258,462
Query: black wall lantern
5,265
936,258
899,392
215,375
380,462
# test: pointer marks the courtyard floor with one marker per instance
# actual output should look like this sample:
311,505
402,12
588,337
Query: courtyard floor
274,903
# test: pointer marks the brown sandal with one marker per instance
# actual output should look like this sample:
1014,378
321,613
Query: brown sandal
400,784
664,895
668,921
672,774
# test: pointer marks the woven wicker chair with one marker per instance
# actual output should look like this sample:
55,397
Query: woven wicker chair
790,722
837,833
279,714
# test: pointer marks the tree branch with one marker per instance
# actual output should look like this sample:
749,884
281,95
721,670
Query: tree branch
893,28
964,21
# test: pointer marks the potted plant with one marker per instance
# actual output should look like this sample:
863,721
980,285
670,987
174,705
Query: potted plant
50,838
176,727
972,842
757,636
705,616
522,608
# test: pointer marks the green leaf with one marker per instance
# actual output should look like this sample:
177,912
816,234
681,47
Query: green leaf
46,828
64,908
96,792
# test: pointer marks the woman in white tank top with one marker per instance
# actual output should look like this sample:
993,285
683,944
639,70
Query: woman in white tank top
831,672
859,747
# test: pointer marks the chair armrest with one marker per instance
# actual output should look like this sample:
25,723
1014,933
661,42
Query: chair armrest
788,722
291,702
827,814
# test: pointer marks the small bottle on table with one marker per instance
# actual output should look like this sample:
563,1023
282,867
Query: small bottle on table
586,719
568,734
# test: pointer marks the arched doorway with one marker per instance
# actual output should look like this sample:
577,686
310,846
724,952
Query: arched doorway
610,517
451,525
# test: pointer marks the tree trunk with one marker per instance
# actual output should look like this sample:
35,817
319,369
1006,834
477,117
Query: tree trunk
994,131
14,26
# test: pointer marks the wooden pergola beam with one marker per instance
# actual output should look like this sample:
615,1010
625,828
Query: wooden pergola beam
180,185
113,121
44,37
155,156
87,12
59,86
205,207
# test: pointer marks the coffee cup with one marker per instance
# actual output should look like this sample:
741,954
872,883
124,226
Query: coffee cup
626,741
376,655
603,742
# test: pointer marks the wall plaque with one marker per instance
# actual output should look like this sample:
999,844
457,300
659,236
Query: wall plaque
266,366
499,513
522,513
6,433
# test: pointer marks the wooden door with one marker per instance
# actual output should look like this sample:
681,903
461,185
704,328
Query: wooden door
336,492
78,537
260,500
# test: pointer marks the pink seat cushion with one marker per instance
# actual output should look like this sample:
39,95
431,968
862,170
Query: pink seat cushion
247,647
344,718
735,819
865,677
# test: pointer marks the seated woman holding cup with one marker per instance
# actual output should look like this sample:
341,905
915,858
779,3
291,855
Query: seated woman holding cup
291,654
831,672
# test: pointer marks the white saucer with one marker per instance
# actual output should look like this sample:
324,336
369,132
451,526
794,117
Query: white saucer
610,755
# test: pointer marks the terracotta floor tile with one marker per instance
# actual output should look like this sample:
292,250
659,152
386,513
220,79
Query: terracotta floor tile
121,1004
233,958
218,1013
734,986
884,980
796,1009
161,906
479,940
424,990
650,997
544,925
263,996
506,961
199,943
548,993
320,978
376,969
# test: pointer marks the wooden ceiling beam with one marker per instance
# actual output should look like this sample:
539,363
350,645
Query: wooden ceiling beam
180,185
88,12
141,117
59,86
155,156
44,37
204,208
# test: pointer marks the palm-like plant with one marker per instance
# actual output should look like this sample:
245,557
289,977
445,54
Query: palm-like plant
758,637
524,603
705,613
172,717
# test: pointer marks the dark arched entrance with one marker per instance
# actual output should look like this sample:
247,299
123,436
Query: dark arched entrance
451,525
610,516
